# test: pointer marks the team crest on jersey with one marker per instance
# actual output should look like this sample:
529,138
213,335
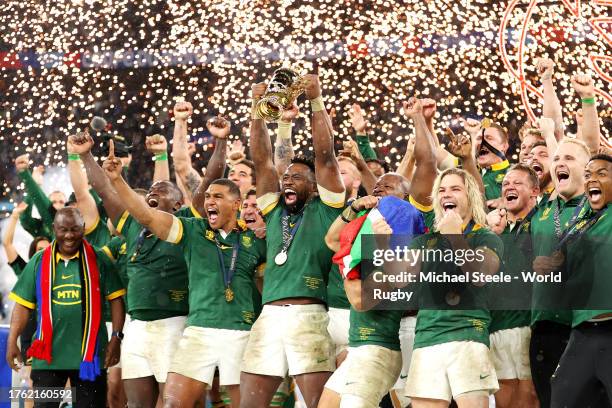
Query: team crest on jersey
210,235
545,214
477,324
247,241
499,178
432,243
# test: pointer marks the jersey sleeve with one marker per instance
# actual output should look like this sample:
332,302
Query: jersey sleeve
426,211
267,202
124,223
363,143
18,265
113,288
490,241
331,199
24,291
40,200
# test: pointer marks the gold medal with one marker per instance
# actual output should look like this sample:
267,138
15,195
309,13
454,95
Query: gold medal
229,294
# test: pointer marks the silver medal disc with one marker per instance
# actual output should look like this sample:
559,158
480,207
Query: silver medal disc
280,258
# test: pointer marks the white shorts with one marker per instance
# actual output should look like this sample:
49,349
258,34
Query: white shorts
406,336
450,369
290,338
366,375
148,347
338,327
202,349
510,353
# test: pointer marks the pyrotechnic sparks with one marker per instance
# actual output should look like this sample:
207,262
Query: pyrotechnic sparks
65,61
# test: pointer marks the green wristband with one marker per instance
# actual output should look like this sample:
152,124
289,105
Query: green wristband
73,157
589,101
161,156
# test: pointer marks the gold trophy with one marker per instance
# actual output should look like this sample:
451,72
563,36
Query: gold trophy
283,89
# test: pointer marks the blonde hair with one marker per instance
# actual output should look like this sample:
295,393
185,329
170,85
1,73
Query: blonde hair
577,142
475,201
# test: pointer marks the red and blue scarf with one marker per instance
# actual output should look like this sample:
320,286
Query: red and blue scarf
90,286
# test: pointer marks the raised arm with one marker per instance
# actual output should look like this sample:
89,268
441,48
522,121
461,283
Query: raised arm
547,128
9,248
461,146
368,179
219,127
283,147
181,156
406,166
32,225
326,165
261,149
85,202
38,197
583,85
81,144
156,221
158,146
424,158
360,125
429,113
552,105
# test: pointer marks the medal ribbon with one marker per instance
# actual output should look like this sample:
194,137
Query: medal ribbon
557,220
289,234
577,228
492,149
228,274
469,228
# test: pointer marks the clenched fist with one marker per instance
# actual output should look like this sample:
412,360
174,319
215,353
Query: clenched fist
219,127
258,90
81,143
22,162
583,84
545,67
156,144
182,110
497,220
313,86
413,107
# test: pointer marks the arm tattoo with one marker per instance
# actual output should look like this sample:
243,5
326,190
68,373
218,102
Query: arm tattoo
283,152
192,182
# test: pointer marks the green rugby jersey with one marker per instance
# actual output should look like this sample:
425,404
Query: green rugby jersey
544,241
492,179
336,295
443,326
305,273
588,259
66,307
98,235
36,197
209,306
156,272
375,327
517,258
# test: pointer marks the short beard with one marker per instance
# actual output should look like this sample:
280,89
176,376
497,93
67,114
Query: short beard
545,181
